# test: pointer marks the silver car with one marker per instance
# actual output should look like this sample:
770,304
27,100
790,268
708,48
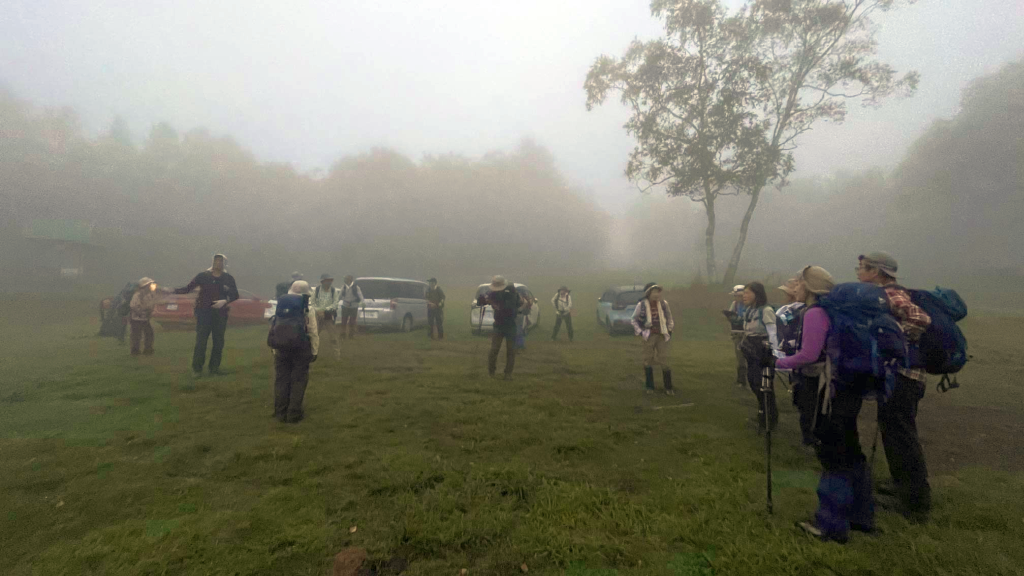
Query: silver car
395,303
488,312
615,308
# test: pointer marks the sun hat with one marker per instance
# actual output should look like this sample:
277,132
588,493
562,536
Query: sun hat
145,281
650,287
498,283
434,280
737,290
300,287
296,276
817,280
789,287
881,260
326,277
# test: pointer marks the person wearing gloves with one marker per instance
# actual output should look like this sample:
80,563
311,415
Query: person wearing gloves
735,314
216,291
325,301
758,325
351,298
563,312
142,304
652,321
844,492
291,367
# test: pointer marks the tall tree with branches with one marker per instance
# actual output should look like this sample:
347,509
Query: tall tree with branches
718,104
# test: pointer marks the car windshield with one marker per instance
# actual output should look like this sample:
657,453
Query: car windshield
628,298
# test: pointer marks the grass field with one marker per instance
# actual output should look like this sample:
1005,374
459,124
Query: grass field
118,465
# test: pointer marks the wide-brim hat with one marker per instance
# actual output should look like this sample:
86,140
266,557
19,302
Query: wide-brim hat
651,286
146,281
789,287
498,283
324,277
817,280
737,290
300,287
565,288
432,280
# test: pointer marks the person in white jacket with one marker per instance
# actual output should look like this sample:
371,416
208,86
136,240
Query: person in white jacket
291,367
652,321
563,312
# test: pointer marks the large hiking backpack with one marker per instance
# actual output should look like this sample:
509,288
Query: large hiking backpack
288,326
942,349
865,339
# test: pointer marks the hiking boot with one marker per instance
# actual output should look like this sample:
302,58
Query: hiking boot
812,529
670,392
666,378
649,379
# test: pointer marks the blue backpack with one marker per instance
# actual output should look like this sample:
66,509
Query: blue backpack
865,339
288,326
942,348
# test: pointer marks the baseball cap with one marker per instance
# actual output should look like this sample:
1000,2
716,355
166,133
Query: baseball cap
737,289
881,260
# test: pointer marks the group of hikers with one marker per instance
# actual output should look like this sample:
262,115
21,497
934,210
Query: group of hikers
799,339
842,344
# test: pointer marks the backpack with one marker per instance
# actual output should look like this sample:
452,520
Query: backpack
288,326
942,349
865,339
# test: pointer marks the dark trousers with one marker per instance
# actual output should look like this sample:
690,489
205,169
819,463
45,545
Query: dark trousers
897,422
435,317
559,318
844,491
142,331
767,405
509,337
805,399
291,375
209,322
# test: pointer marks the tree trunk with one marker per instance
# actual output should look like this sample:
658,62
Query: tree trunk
709,238
737,251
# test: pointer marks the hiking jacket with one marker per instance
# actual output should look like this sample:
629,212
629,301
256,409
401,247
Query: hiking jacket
211,288
142,305
761,321
351,295
436,297
325,300
642,318
563,306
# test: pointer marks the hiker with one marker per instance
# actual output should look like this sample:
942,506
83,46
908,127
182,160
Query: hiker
435,309
758,326
844,490
789,322
563,312
897,416
351,298
652,321
503,298
325,301
735,314
294,336
523,322
217,291
142,304
282,287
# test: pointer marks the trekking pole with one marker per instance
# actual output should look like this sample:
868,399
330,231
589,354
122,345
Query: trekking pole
768,393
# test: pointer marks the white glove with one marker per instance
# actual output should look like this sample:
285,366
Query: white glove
218,304
646,334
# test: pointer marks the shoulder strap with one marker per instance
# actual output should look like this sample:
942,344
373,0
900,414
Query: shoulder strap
316,293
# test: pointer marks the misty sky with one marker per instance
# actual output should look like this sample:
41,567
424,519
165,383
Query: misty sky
308,82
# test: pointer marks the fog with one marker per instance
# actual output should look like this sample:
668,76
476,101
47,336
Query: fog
414,139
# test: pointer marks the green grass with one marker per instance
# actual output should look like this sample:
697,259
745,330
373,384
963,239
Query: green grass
119,465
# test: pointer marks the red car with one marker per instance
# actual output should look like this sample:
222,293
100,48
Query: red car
175,311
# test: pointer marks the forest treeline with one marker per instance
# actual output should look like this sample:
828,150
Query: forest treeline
953,205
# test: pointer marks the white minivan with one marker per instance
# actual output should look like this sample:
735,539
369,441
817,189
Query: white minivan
395,303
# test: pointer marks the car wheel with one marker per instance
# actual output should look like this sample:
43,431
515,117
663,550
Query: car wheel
407,323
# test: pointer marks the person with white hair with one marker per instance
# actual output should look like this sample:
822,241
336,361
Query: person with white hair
294,351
